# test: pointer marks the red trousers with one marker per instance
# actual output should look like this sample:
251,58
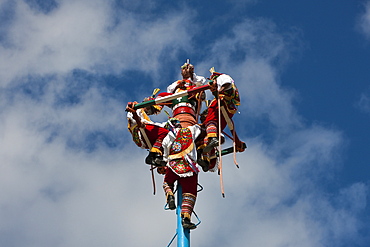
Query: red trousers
155,135
212,116
188,184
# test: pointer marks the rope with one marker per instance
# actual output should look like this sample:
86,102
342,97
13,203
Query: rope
234,146
227,118
199,107
231,126
149,145
201,188
219,148
195,214
173,238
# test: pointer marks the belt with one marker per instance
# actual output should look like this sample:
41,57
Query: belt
184,109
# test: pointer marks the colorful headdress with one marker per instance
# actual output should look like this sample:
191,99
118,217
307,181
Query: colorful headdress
214,74
172,123
153,109
188,65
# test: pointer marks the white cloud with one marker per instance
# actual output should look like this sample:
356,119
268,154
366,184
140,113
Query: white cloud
56,192
254,51
364,21
364,102
267,204
53,195
88,35
59,191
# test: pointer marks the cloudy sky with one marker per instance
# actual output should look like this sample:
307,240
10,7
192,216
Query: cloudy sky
70,175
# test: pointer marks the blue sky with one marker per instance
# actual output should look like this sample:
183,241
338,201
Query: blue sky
71,175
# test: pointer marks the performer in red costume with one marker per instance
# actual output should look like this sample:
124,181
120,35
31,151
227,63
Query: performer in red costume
180,154
179,145
143,130
222,87
185,108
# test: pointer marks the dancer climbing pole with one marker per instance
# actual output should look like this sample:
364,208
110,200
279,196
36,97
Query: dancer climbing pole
182,146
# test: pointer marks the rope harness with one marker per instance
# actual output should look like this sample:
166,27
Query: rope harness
230,124
219,148
149,145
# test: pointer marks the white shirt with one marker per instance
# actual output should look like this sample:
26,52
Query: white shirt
143,117
169,139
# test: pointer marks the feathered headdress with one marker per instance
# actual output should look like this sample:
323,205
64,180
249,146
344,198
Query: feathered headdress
214,74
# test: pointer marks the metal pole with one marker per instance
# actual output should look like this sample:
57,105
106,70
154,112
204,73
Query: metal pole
183,235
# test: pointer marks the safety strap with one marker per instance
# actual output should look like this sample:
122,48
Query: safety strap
227,119
219,148
230,124
199,100
234,145
149,145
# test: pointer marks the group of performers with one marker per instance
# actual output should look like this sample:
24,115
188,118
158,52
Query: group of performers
182,146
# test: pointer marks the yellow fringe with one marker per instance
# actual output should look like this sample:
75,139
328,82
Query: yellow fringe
186,215
211,135
155,150
146,117
202,146
169,193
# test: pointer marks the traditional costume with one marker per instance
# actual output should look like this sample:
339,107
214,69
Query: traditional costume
147,134
185,108
189,79
223,87
180,154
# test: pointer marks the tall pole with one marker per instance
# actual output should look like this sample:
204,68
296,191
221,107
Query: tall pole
183,235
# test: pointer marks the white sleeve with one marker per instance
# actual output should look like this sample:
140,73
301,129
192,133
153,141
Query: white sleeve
130,118
195,130
166,144
199,80
171,88
140,113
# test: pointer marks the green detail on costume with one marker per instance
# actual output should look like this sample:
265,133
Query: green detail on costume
183,99
180,166
231,99
135,136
